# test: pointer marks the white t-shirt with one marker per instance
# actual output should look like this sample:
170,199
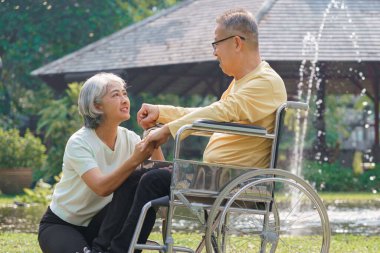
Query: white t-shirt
73,201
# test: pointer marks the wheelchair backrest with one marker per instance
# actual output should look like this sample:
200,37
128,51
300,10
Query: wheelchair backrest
279,122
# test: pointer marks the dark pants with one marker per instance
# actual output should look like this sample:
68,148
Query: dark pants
153,184
57,236
112,228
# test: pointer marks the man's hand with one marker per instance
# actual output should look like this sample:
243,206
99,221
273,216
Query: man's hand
158,136
147,115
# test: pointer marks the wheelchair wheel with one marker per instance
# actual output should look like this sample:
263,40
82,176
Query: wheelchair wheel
268,211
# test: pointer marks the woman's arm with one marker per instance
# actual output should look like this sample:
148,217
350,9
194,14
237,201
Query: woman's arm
105,184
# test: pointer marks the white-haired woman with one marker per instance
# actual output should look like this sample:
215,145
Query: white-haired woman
99,171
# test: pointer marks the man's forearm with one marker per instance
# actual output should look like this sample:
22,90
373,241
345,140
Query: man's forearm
169,113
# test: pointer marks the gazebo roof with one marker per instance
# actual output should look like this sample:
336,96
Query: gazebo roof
182,34
171,50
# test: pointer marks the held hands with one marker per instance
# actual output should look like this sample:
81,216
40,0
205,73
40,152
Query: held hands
147,115
158,136
143,151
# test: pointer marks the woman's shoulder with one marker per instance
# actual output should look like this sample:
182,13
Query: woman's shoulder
84,134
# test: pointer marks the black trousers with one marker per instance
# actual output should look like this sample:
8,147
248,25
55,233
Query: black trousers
113,227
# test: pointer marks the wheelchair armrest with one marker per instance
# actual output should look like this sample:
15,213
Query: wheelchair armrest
231,127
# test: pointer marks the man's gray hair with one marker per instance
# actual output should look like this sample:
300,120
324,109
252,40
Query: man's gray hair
240,20
91,93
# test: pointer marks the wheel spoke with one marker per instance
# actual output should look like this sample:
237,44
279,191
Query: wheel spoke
296,216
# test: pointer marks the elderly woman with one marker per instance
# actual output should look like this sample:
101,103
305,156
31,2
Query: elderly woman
100,172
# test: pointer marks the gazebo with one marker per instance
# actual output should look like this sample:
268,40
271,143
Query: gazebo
171,51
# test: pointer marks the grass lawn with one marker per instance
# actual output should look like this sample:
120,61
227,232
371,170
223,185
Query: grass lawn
6,199
27,243
352,197
328,197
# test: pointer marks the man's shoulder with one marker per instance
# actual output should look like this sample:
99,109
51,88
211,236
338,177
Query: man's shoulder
267,75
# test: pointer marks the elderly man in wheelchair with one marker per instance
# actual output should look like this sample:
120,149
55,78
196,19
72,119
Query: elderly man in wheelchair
240,208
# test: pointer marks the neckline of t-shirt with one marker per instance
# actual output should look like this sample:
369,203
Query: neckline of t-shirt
105,145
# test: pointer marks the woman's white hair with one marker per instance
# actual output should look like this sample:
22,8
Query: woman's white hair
91,93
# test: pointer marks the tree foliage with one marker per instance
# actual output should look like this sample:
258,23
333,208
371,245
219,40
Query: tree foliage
59,120
36,32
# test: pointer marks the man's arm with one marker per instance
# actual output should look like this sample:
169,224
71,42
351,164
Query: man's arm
170,113
251,103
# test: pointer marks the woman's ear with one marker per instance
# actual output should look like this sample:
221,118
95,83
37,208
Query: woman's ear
98,106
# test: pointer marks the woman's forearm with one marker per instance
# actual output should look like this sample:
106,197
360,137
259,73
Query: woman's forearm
105,184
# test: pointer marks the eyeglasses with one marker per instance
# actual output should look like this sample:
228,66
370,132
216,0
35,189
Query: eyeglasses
215,43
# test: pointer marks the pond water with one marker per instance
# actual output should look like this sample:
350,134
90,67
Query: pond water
355,220
14,218
363,219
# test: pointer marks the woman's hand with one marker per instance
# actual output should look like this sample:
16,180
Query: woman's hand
142,151
158,136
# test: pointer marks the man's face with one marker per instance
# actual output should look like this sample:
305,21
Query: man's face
223,50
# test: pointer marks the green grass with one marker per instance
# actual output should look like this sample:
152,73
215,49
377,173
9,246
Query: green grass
6,199
329,197
349,196
19,243
27,243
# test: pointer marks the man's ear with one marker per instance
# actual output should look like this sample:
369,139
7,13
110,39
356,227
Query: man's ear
238,43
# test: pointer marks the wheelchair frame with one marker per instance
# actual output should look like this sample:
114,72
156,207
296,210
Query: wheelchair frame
223,197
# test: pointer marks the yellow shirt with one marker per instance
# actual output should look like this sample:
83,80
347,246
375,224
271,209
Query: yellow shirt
252,100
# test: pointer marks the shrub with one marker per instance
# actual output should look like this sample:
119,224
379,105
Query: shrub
370,180
333,177
58,121
21,151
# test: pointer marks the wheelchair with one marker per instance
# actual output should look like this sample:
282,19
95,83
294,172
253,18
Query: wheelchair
242,209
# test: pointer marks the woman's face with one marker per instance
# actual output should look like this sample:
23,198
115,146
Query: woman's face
115,104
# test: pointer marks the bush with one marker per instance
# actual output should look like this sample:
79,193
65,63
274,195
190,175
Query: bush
21,152
333,177
370,180
58,121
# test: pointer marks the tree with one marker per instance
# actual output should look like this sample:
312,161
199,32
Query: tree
35,32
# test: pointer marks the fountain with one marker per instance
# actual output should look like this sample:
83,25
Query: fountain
311,48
